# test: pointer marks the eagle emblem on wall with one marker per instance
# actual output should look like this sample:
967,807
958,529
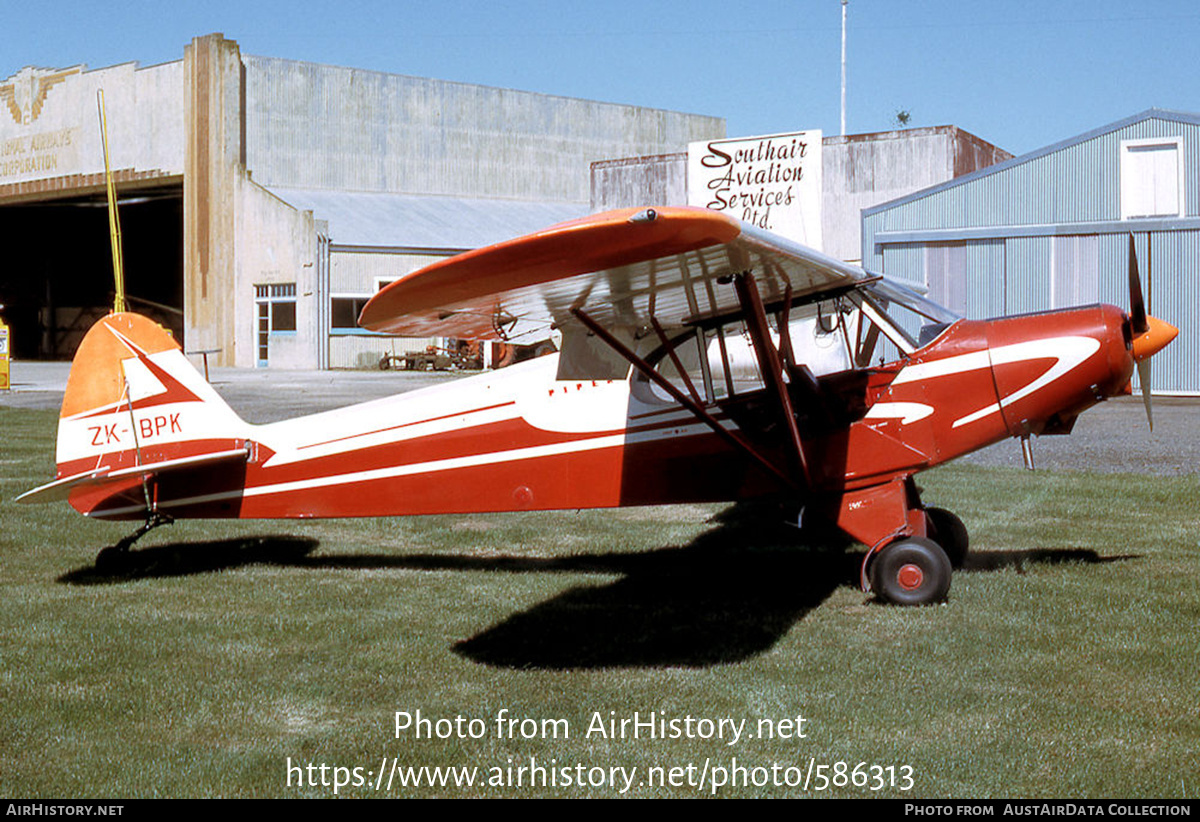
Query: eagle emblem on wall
25,92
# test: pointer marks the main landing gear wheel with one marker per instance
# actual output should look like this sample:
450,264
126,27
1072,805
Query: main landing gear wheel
912,571
948,531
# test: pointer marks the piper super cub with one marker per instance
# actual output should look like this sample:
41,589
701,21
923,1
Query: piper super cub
702,360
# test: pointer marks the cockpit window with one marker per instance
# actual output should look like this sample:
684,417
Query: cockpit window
918,319
878,322
719,362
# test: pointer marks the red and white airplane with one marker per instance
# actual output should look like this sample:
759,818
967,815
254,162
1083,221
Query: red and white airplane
701,359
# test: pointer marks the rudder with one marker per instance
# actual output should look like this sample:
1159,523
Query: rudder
134,400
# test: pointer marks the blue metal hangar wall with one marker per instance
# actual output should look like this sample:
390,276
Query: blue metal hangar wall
1050,229
265,199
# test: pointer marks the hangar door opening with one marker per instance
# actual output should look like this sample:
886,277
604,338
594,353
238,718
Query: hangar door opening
58,277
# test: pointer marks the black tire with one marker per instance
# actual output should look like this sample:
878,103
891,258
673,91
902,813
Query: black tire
385,363
948,531
912,571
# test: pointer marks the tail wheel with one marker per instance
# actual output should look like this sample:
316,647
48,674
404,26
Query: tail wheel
949,532
912,571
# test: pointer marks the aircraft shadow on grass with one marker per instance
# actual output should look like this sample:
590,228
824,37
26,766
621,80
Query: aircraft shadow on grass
725,597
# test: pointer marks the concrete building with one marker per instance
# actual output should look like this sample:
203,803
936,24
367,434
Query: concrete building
263,199
858,171
1050,229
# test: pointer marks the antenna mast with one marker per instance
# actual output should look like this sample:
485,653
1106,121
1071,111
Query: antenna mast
114,221
844,2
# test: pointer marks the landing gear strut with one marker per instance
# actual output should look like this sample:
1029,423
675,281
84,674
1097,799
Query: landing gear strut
115,557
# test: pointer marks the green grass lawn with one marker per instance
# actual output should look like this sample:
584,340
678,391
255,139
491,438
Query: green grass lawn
1063,665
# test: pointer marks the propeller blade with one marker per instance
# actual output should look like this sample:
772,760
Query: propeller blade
1137,305
1143,368
1150,334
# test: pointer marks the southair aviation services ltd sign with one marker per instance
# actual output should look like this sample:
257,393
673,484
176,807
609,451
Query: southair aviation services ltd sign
772,182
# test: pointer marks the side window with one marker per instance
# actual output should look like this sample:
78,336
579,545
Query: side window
718,363
731,355
696,374
821,339
721,362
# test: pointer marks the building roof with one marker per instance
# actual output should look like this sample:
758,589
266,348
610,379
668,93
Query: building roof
373,220
1148,114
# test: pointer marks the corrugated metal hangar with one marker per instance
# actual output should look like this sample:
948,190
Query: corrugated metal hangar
1051,228
263,199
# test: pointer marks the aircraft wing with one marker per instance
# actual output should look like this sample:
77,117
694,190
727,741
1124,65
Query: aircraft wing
621,267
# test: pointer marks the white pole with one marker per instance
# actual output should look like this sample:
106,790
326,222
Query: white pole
844,2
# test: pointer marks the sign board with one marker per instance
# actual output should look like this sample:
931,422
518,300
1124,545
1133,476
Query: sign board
4,381
772,182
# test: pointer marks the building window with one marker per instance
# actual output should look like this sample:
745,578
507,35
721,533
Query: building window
1152,178
345,311
275,313
283,316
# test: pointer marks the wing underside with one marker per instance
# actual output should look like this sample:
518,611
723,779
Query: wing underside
623,268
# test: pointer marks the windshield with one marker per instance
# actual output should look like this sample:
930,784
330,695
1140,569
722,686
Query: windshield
918,319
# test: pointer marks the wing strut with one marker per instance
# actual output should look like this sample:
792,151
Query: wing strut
768,362
681,398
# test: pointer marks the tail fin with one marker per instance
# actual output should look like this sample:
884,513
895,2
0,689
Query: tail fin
134,407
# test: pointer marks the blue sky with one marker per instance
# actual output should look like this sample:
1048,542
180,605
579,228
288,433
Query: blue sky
1019,74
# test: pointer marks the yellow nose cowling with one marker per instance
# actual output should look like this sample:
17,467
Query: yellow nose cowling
1157,337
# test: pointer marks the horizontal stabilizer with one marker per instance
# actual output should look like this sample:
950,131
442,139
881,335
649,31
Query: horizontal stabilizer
60,489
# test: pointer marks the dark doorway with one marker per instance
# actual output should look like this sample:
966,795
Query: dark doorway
58,279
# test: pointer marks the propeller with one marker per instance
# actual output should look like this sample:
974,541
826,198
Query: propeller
1137,306
1150,334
